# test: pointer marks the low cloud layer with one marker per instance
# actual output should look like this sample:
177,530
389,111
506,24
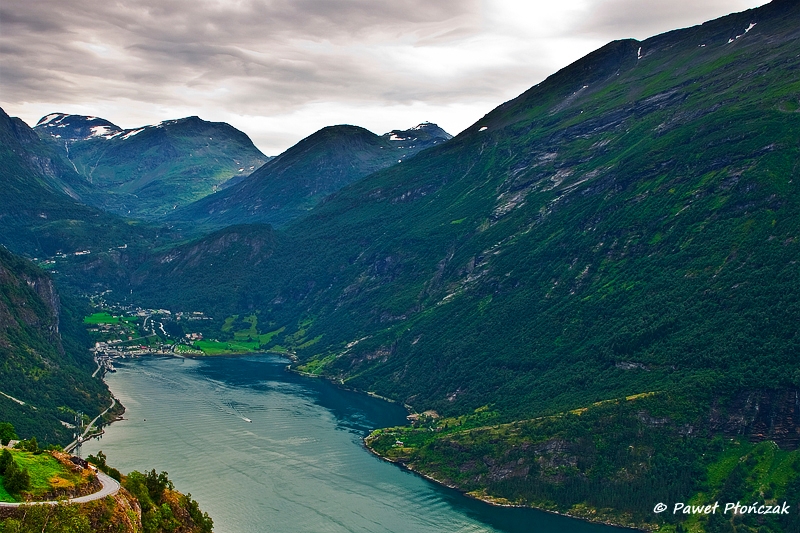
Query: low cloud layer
280,69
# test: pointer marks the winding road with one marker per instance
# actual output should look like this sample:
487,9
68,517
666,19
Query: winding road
74,443
110,487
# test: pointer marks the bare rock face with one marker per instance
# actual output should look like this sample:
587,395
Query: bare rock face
29,300
761,415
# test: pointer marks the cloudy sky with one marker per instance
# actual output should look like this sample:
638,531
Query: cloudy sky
281,69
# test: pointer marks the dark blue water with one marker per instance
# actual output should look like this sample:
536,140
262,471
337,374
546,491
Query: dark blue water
298,465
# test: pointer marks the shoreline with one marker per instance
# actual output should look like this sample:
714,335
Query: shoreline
493,502
487,500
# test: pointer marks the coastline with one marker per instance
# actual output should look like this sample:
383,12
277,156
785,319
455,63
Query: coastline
498,502
495,502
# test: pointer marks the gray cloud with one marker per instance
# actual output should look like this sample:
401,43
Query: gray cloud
279,58
617,19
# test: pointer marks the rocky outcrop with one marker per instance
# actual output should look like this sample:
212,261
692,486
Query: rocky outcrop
760,415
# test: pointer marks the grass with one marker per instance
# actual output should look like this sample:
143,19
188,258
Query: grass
267,337
182,348
316,366
226,348
101,318
46,474
229,323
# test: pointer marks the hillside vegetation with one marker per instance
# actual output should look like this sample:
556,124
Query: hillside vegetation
628,226
288,186
147,503
46,367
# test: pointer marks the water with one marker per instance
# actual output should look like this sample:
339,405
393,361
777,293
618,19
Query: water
262,449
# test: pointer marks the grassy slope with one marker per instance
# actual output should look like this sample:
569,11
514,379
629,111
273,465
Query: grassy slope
46,474
153,507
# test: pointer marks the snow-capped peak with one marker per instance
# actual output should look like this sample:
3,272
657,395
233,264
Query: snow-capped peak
50,118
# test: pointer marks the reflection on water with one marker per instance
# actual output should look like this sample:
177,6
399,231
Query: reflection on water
263,449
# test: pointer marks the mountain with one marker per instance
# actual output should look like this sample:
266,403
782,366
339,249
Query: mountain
147,172
42,209
595,286
291,184
46,371
232,248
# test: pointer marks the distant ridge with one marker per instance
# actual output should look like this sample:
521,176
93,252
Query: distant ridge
292,183
149,171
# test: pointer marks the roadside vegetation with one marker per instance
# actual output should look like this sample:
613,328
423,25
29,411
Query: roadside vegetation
30,473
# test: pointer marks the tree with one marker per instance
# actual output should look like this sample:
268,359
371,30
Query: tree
16,479
5,460
29,445
100,462
60,518
7,433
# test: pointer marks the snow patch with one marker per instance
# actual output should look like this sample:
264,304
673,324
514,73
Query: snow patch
100,131
484,128
50,118
639,53
132,133
747,29
395,137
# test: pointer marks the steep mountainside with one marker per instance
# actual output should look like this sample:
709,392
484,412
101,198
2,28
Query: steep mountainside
626,210
147,172
46,367
629,228
292,183
238,251
41,201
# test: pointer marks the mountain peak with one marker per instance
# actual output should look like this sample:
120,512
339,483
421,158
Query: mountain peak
426,133
76,127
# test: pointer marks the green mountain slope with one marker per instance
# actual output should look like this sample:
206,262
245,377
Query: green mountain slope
235,251
624,211
45,364
292,183
627,228
41,201
147,172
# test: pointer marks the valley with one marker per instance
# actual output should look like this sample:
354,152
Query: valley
586,302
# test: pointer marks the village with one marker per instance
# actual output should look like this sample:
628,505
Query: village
122,331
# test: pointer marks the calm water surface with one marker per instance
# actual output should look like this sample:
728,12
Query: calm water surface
299,466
